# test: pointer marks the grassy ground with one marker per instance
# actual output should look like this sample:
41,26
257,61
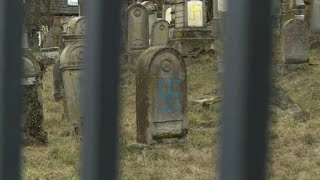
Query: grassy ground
294,144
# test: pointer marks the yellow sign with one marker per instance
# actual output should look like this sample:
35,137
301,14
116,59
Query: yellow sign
195,13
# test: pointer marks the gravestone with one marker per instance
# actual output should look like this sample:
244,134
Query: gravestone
77,26
33,117
295,42
287,12
160,33
138,31
53,41
152,11
161,98
53,38
50,53
71,67
64,24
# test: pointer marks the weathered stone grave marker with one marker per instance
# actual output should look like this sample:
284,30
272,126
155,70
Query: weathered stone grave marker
71,65
64,24
138,31
32,101
50,52
53,38
295,42
160,33
152,11
161,99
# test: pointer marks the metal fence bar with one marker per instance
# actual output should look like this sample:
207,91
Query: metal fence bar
11,20
246,90
100,149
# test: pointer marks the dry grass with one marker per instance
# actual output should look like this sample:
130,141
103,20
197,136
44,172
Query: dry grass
294,145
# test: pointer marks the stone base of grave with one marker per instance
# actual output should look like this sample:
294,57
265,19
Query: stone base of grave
190,42
33,117
171,141
297,59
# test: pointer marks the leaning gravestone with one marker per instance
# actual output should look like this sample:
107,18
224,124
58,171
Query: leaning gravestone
295,42
160,33
32,102
138,31
161,99
71,67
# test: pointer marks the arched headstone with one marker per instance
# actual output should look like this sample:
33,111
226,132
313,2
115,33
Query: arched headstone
53,38
161,98
138,30
295,41
76,30
152,11
160,33
71,66
33,117
64,24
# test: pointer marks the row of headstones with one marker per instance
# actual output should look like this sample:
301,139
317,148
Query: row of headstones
161,82
161,91
168,98
190,24
66,80
144,29
296,38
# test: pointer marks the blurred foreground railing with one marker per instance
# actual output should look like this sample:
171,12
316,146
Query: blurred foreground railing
11,18
246,89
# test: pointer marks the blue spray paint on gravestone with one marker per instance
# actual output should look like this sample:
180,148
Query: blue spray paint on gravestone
169,96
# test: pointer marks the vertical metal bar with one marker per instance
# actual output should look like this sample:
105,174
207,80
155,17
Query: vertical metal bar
246,90
100,149
11,20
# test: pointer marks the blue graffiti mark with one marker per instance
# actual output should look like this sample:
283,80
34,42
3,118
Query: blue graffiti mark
169,95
